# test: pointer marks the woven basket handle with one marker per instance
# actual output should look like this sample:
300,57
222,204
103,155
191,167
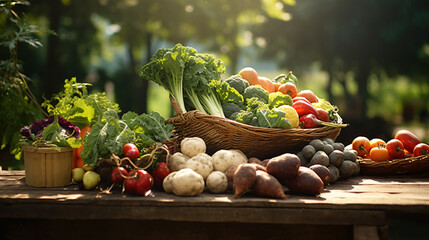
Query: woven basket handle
175,105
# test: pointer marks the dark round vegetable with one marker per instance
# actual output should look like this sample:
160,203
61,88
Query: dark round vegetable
308,152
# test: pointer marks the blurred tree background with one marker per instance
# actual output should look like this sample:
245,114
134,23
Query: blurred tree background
371,58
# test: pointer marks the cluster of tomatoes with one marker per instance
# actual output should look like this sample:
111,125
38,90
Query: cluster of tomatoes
139,181
404,145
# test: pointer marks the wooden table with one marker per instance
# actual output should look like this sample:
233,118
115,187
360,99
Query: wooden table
363,207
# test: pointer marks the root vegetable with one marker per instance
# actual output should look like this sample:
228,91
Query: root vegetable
334,172
308,152
191,146
284,166
320,157
230,176
201,164
186,182
350,155
306,182
254,160
266,185
323,172
223,159
347,168
177,161
317,144
217,182
336,158
243,179
167,184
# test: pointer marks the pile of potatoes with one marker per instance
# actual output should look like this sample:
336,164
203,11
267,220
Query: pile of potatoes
326,153
192,169
307,172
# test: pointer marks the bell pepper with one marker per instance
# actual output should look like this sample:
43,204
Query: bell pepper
408,139
304,108
421,149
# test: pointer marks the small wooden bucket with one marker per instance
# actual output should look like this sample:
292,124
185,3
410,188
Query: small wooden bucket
47,167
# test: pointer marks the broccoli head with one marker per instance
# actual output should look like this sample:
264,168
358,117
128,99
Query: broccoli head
254,104
277,99
244,117
238,83
256,91
230,108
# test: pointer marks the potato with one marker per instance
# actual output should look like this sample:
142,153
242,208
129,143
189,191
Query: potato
357,170
317,144
265,162
266,185
167,183
308,152
177,161
323,172
201,164
284,166
320,157
347,168
336,158
230,176
328,149
334,172
217,182
330,141
243,179
350,155
186,182
338,146
223,159
254,160
191,146
306,182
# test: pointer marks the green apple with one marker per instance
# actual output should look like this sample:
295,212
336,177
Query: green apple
77,174
90,180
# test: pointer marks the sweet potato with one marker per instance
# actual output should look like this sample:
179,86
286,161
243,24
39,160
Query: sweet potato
284,166
255,160
323,172
306,182
266,185
230,176
243,179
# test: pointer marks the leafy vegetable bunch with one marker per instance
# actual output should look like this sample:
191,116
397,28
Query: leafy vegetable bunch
52,131
186,75
77,105
108,137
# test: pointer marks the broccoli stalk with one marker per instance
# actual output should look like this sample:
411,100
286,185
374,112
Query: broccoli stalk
211,103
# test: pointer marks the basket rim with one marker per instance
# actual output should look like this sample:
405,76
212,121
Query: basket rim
369,163
195,114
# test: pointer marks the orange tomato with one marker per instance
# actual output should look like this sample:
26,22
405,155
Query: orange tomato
289,88
361,145
266,84
250,75
377,142
309,95
378,154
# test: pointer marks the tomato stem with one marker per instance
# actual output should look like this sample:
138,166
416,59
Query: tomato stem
361,147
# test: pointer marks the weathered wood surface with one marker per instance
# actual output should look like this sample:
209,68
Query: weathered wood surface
358,200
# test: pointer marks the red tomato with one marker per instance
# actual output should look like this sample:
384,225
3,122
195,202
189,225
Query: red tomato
408,139
323,114
140,184
421,149
300,98
131,151
160,173
116,174
395,149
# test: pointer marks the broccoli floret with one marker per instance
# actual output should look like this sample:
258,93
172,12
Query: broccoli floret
256,91
244,117
238,83
277,99
230,108
254,104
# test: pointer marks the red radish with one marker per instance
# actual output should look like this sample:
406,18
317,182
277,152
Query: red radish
118,174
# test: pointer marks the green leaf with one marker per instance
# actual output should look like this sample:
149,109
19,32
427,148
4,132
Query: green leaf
272,119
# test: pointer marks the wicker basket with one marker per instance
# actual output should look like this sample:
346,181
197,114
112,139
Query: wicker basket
409,165
222,133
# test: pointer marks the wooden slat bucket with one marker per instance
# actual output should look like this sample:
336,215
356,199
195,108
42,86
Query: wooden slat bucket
47,167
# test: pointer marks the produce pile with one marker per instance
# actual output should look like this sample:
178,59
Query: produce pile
131,152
